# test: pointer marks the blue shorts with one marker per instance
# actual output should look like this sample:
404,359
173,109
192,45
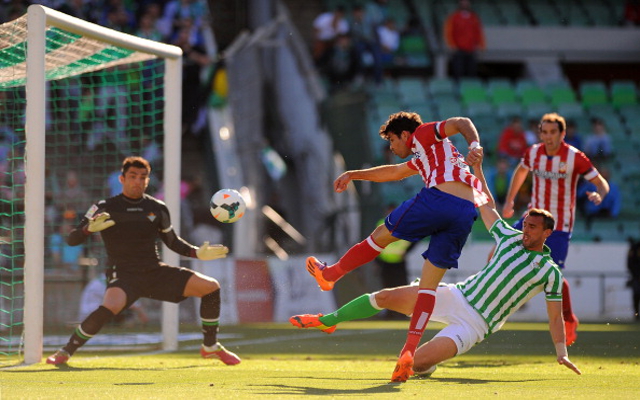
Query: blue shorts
558,242
447,219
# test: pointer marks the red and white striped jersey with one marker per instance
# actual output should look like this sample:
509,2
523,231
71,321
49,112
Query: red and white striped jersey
555,179
438,161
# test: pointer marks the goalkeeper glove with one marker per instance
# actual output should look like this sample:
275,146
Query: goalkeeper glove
100,222
211,252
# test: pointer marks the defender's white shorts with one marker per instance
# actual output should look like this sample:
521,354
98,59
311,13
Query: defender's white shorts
464,325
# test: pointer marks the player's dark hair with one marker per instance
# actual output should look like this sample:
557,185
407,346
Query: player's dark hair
399,122
553,118
135,162
547,217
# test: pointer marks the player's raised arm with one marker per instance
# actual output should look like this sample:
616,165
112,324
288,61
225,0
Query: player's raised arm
556,327
487,211
382,173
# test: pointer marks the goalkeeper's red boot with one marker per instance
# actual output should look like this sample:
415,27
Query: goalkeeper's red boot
315,268
58,358
570,328
404,368
218,351
311,321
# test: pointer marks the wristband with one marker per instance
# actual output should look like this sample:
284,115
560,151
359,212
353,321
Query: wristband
473,145
561,349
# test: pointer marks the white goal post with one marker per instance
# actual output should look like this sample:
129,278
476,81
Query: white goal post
39,18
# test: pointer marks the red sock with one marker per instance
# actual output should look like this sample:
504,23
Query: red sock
567,312
359,254
419,319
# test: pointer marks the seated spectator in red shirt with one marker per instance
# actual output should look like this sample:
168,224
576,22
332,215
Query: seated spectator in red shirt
513,141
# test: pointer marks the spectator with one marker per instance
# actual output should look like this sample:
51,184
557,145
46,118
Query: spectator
148,26
72,197
463,33
65,258
531,133
389,38
326,27
513,141
498,179
598,144
633,265
342,64
365,40
572,136
632,13
176,12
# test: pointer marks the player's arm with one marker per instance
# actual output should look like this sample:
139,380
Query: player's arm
556,327
464,126
602,189
179,245
488,211
518,178
382,173
95,220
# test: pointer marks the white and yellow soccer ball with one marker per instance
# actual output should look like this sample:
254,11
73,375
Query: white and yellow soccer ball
227,205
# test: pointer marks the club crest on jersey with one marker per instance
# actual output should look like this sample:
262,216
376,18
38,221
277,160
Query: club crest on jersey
562,168
151,217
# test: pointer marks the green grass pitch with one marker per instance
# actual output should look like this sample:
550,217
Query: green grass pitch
356,361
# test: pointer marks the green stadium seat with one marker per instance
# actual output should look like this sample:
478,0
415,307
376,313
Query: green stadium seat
623,92
593,92
438,86
448,108
412,90
476,110
503,95
413,51
537,110
571,110
507,110
561,96
532,95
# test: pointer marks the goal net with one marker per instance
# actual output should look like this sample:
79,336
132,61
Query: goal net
75,99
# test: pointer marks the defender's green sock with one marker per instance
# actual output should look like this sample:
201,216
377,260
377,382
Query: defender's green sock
361,307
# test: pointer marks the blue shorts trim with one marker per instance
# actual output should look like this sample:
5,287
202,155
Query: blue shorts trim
558,242
445,218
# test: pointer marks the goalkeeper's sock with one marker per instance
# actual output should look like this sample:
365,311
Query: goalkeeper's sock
419,319
210,316
88,329
360,254
567,312
361,307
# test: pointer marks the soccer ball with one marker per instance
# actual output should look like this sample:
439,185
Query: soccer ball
227,205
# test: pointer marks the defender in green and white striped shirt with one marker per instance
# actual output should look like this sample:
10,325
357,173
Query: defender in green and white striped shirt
520,268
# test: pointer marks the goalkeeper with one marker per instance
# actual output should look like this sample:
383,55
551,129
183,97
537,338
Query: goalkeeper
130,224
520,268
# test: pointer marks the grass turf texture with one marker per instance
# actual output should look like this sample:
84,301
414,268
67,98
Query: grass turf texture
283,362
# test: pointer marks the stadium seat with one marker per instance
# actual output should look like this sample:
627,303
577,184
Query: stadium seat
512,12
561,96
503,95
438,86
507,110
544,13
572,110
593,92
412,90
476,110
623,92
532,95
448,108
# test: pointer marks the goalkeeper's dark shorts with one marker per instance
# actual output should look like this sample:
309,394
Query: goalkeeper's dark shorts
164,283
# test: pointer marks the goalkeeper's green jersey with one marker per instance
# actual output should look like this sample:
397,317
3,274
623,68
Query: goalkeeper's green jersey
512,277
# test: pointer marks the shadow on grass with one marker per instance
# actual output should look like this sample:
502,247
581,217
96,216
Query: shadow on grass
70,368
282,390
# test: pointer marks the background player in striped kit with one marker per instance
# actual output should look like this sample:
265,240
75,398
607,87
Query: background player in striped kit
444,209
520,268
556,167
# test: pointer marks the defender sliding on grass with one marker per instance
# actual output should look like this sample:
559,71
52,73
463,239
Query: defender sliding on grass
520,268
130,223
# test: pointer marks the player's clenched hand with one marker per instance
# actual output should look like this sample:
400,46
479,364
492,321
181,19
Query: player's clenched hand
564,360
211,251
341,183
594,197
475,156
100,222
508,209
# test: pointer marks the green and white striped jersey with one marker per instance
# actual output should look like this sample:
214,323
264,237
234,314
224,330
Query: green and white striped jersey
512,277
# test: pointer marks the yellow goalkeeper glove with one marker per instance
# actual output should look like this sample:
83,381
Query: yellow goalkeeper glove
211,252
100,222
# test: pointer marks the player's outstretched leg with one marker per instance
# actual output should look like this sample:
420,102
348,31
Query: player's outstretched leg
218,351
311,321
404,368
316,268
85,331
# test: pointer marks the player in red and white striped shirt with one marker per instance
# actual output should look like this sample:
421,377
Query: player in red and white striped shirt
444,210
556,167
